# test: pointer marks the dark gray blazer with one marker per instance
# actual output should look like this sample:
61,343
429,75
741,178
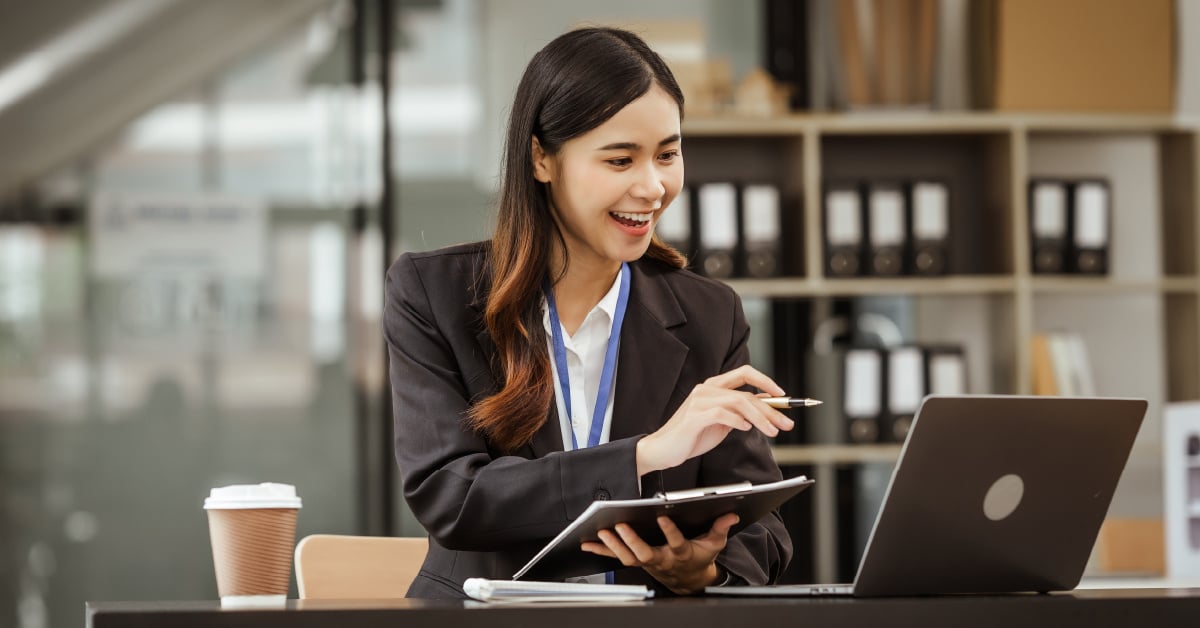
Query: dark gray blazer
488,513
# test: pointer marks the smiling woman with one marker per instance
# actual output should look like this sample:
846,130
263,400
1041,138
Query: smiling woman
512,410
606,188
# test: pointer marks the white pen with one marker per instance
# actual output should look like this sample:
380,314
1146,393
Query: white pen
789,402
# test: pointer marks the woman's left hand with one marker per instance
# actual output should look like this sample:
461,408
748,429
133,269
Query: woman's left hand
684,565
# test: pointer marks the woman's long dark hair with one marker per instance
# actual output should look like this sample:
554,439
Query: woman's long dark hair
573,85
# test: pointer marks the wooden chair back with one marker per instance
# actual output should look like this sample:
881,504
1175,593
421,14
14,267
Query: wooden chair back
338,567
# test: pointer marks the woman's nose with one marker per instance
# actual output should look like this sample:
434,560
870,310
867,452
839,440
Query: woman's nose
649,187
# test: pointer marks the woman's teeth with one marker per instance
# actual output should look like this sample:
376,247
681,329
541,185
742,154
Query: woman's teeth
635,219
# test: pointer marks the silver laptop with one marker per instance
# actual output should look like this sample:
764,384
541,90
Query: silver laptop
992,494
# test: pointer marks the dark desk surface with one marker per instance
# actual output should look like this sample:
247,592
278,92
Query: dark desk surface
1140,608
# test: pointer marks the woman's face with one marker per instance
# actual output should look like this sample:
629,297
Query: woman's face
609,186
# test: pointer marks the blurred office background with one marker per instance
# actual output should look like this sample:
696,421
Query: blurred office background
197,204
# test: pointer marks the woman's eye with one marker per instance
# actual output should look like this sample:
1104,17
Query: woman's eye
620,162
669,155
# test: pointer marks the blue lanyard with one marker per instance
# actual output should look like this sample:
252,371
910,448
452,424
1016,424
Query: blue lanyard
610,360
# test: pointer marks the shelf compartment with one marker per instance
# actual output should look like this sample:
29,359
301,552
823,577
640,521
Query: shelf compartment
775,160
984,325
976,166
1125,345
1133,164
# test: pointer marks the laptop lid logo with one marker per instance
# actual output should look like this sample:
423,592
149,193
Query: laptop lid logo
1003,497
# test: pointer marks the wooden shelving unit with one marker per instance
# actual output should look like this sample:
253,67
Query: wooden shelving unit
800,287
1141,321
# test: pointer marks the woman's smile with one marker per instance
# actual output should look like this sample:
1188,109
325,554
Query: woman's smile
633,223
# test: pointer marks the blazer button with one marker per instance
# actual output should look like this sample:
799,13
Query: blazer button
601,495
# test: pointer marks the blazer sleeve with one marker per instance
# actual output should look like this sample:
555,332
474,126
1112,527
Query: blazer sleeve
760,553
464,496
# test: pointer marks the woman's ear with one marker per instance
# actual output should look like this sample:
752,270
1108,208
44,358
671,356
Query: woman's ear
542,167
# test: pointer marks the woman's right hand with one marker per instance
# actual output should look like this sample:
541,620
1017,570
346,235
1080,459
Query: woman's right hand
706,417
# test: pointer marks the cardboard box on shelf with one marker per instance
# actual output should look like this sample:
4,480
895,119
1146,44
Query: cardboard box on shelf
1131,546
1085,55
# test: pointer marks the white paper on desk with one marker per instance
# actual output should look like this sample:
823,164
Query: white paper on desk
533,591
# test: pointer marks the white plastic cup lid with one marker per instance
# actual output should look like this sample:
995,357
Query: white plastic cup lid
245,496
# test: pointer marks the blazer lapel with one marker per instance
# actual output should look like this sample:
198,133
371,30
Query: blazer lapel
651,357
648,367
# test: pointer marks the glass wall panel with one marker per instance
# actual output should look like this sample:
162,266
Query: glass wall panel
188,325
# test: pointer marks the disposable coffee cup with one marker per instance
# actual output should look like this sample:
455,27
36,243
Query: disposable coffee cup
253,531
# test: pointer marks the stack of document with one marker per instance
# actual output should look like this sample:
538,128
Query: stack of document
532,591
